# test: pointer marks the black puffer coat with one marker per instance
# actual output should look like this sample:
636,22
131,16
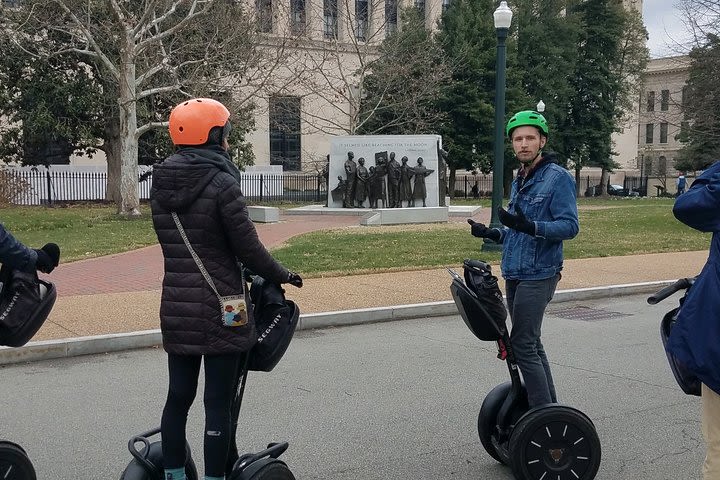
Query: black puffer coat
212,211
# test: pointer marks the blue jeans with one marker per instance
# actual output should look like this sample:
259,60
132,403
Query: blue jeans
527,300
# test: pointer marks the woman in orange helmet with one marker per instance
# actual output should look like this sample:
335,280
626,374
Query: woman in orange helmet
196,195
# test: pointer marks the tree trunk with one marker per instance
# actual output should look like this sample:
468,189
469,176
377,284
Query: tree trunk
451,182
577,180
129,199
604,181
112,154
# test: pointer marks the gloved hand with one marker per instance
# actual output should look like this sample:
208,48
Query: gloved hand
295,280
517,222
481,231
48,257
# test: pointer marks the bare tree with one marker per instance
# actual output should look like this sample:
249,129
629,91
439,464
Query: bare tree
154,53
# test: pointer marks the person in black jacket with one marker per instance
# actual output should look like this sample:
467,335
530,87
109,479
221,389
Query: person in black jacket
200,184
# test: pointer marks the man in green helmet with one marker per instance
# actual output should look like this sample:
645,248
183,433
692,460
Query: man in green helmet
542,212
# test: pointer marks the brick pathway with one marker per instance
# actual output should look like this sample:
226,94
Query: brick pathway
142,269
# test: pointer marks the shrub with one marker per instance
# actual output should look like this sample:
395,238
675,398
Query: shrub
12,186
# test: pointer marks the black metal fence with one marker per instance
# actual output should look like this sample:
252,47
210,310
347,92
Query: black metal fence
36,187
472,186
480,186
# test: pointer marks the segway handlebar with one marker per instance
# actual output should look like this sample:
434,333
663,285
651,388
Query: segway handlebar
659,296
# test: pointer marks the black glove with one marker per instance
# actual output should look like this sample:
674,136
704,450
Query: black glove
517,222
295,280
48,257
481,231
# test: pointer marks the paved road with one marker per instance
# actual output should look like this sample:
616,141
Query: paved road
385,401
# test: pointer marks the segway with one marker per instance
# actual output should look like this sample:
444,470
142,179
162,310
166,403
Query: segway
549,442
688,382
25,303
276,318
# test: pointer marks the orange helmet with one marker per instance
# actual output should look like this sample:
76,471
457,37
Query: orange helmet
191,121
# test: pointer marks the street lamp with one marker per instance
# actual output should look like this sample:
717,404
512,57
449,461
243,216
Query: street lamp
503,17
541,106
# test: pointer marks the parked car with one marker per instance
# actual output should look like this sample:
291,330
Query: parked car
617,190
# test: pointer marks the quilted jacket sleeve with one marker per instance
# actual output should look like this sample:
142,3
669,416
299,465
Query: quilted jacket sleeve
242,235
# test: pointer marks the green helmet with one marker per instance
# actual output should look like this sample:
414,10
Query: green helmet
527,118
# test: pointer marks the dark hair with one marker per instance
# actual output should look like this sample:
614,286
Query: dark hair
218,134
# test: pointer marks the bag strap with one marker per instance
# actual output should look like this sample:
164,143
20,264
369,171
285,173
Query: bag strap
195,255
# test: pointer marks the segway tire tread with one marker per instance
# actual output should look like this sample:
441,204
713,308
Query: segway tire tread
14,463
557,439
274,471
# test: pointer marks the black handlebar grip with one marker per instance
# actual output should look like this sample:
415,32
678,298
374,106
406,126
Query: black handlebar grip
661,295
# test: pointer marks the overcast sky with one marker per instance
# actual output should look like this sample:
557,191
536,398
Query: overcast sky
665,27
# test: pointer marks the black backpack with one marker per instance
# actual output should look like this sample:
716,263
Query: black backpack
275,321
25,303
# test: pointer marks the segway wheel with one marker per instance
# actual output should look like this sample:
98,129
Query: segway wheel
14,463
555,443
152,466
273,471
487,422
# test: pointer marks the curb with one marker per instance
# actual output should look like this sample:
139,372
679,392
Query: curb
72,347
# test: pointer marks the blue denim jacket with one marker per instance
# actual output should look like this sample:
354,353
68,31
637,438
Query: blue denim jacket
547,198
15,254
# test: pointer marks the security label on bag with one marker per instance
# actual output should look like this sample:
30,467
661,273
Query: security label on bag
234,311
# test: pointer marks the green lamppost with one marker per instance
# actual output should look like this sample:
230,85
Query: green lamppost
503,17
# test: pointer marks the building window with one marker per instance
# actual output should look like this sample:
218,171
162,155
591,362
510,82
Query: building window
663,132
285,132
361,19
297,17
330,18
651,101
391,16
664,100
662,165
445,5
649,133
420,5
263,9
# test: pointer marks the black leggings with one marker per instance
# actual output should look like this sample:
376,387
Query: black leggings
220,376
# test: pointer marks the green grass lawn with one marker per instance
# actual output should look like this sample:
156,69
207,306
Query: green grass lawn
82,231
607,228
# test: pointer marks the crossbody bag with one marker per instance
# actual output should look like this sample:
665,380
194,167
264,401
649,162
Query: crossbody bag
233,308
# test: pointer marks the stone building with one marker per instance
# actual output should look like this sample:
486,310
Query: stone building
660,115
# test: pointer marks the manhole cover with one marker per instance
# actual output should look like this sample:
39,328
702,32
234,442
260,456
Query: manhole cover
587,314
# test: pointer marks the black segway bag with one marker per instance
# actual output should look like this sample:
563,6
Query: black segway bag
275,321
687,380
480,301
25,303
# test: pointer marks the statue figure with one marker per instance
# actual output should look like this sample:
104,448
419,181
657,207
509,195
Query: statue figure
338,193
419,191
394,174
351,173
361,179
442,175
375,184
405,191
